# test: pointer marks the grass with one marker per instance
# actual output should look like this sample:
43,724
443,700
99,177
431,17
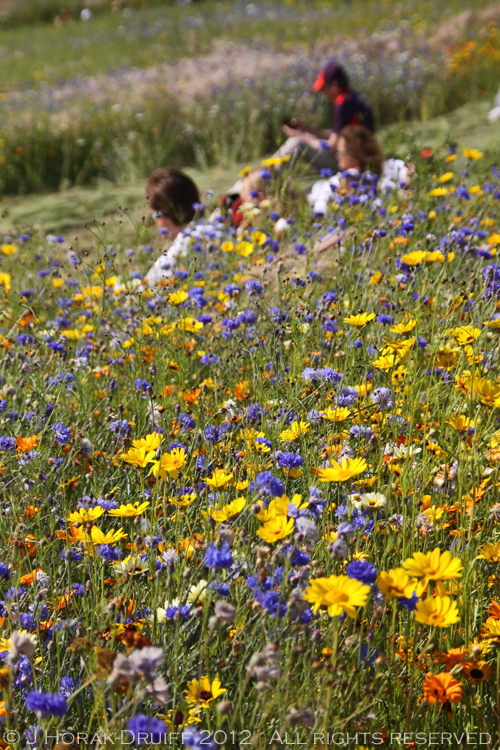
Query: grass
65,211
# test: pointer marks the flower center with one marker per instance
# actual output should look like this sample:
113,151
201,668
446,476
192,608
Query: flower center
337,597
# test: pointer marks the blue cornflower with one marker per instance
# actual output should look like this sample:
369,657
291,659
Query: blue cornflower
382,397
217,558
232,289
209,359
143,386
109,553
269,484
46,704
71,555
297,556
172,611
151,731
253,414
289,460
310,375
330,375
313,276
272,603
196,740
61,433
66,686
408,603
264,441
362,433
121,427
186,422
347,396
254,287
362,571
7,443
386,320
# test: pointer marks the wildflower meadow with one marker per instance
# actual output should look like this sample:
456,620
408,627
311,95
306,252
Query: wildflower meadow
257,504
113,96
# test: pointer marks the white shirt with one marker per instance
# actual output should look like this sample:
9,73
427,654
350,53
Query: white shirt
166,264
394,171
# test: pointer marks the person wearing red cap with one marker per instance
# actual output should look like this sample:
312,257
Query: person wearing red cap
316,145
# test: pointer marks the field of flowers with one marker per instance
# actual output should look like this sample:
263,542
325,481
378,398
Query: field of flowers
119,94
257,505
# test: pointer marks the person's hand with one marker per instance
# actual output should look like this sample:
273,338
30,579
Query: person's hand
292,132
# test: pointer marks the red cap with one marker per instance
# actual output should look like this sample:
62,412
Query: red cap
333,71
319,83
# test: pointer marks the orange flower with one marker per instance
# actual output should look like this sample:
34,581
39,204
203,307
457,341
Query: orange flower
494,610
242,392
476,671
29,577
28,546
27,443
453,657
442,688
191,397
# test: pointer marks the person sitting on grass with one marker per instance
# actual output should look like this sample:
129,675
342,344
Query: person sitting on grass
174,198
247,191
357,151
318,145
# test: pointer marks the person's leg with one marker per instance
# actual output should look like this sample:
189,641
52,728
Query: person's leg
318,158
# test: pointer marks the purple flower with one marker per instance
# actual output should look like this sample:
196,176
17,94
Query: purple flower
217,558
196,740
143,386
254,287
7,443
268,483
46,704
330,375
288,460
386,320
146,730
408,603
362,571
121,427
61,433
383,398
347,396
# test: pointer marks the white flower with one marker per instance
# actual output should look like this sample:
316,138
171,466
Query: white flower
21,642
198,592
133,565
371,501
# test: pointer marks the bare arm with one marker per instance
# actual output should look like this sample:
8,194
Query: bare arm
320,133
311,140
